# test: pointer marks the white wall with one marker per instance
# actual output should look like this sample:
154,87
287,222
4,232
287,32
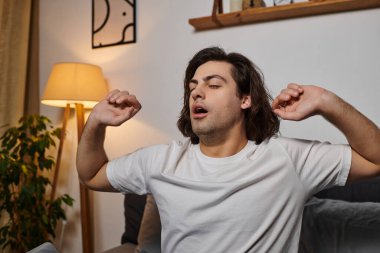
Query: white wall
338,51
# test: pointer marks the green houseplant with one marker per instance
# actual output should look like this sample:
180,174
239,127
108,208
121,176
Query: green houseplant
28,215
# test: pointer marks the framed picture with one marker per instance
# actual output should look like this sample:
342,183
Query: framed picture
113,22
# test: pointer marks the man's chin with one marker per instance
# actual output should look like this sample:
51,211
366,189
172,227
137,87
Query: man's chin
201,132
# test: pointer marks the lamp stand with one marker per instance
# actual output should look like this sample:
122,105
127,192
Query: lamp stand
86,215
59,155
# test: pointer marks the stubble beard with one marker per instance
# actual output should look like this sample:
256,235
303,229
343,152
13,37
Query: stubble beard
213,131
203,129
209,132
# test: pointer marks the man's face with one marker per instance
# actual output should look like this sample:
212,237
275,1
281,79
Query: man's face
215,108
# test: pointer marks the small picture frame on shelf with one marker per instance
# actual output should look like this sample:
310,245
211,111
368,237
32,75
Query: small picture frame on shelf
253,4
282,2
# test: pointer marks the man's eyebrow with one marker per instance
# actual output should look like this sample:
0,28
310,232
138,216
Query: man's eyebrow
208,78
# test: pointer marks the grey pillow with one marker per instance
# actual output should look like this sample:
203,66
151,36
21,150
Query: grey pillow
339,226
149,238
134,206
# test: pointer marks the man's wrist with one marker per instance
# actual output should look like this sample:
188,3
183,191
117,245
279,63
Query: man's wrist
328,103
94,122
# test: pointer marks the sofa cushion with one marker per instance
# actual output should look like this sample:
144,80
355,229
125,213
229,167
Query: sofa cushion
149,238
339,226
133,211
361,191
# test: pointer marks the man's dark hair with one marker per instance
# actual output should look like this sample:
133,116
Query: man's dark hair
260,121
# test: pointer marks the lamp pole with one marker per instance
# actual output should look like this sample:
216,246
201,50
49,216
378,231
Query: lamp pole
86,215
59,155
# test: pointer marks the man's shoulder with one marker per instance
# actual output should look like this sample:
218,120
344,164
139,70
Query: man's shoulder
171,146
284,143
276,140
284,140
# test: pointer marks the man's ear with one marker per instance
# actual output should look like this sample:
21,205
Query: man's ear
246,102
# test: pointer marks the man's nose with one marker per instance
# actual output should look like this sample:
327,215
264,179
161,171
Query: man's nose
197,92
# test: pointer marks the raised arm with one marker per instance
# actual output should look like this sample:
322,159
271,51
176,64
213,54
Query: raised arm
113,110
298,102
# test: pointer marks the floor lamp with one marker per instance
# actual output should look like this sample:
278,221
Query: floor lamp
79,86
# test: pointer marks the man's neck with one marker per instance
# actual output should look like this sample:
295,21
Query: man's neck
223,148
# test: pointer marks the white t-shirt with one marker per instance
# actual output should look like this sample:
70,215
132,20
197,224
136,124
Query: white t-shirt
249,202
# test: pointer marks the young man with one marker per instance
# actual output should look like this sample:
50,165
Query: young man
234,186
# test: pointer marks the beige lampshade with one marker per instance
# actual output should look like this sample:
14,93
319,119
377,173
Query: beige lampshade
73,82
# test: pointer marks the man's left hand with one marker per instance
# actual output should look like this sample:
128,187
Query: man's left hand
298,102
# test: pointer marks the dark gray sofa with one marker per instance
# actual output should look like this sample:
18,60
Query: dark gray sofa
343,219
142,226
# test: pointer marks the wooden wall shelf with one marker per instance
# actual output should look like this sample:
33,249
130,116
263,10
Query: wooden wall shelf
263,14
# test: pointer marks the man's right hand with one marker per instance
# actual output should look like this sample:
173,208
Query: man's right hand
116,108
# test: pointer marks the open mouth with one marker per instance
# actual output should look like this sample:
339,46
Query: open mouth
199,111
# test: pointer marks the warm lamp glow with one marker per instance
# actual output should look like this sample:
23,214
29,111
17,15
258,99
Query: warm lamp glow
73,83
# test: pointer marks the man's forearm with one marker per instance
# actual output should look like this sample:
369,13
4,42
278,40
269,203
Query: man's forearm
362,134
91,155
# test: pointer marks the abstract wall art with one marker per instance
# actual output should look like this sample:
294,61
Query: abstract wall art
113,22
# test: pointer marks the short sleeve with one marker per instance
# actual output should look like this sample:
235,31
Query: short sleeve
319,165
127,174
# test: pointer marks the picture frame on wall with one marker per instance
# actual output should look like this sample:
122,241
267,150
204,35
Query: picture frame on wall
113,22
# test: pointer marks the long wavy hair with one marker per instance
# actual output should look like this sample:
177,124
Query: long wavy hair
260,121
